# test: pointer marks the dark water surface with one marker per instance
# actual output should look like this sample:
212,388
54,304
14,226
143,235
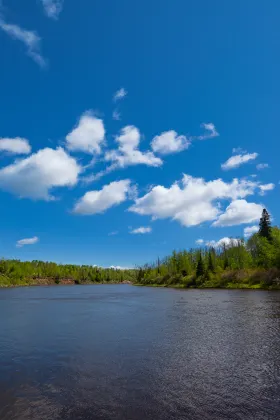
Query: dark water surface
122,352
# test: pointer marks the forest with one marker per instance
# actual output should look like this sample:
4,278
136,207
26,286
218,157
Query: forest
17,273
251,264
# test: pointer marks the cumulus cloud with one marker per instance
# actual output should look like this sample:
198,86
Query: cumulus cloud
239,212
266,187
15,146
120,94
237,160
27,241
199,241
261,166
250,230
99,201
35,176
191,201
224,242
52,7
169,142
88,135
141,230
30,39
128,153
210,131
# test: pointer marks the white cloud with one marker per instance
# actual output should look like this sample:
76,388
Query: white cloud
29,38
118,267
210,131
237,160
15,146
193,201
88,135
238,212
110,195
36,175
52,7
224,242
27,241
141,230
169,142
127,153
266,187
261,166
120,94
250,230
199,241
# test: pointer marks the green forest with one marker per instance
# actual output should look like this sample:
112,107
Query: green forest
17,273
254,264
251,264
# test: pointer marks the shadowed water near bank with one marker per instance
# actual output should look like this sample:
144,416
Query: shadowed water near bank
123,352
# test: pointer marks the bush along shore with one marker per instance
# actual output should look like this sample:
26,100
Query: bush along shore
254,264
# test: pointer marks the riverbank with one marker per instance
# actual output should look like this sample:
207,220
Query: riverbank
228,279
51,282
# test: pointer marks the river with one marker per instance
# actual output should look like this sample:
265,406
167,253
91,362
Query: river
134,353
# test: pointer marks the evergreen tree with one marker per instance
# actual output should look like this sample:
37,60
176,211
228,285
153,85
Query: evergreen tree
210,267
200,267
265,226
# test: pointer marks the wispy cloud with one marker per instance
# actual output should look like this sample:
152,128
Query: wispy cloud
261,166
120,94
115,232
238,160
116,115
27,241
52,8
210,132
30,39
266,187
141,230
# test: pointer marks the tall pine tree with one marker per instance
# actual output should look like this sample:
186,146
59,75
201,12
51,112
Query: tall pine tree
265,226
200,267
210,262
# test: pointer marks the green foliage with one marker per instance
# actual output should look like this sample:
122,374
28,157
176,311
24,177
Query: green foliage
14,272
255,264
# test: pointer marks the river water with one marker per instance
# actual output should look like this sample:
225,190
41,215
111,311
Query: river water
122,352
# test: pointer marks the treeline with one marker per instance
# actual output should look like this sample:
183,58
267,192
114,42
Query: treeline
240,264
14,273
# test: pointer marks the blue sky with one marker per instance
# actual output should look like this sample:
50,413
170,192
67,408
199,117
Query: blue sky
129,129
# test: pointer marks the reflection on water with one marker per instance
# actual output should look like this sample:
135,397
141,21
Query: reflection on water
121,352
